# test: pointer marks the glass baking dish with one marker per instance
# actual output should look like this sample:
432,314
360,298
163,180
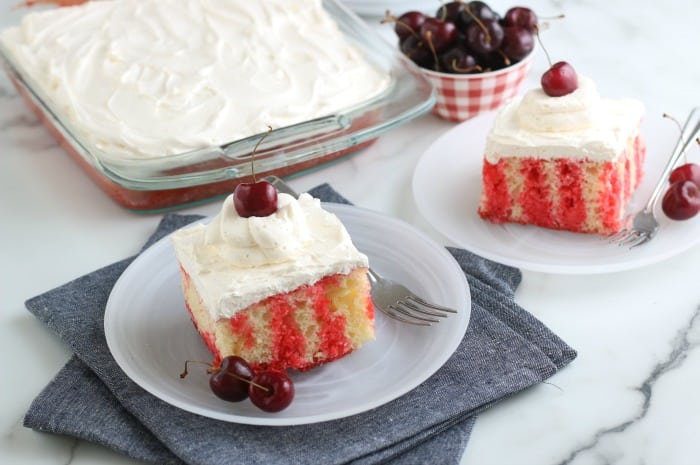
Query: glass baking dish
178,180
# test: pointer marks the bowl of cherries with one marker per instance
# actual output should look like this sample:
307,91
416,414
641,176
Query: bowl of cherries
475,58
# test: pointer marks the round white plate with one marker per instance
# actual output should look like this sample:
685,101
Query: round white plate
150,334
447,185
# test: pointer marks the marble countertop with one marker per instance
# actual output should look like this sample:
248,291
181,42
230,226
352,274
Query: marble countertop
631,396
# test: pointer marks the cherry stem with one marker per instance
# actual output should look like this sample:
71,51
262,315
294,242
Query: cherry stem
187,362
537,33
255,149
666,115
389,18
506,60
680,130
549,18
468,69
240,378
211,369
429,38
444,10
478,22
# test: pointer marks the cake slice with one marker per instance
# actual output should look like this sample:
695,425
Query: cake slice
568,163
284,291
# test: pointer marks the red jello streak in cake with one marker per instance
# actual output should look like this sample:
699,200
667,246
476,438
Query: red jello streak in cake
570,193
535,198
499,201
288,343
242,327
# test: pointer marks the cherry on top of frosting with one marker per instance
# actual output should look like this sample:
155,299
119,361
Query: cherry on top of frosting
560,79
257,198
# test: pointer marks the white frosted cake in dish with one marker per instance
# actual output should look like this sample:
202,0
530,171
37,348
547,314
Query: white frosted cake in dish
150,78
569,162
288,290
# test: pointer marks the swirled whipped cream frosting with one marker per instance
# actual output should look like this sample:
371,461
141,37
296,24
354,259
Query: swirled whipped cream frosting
149,78
235,262
577,125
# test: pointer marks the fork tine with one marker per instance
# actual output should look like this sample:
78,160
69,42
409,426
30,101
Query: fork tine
415,307
431,305
641,240
618,236
400,307
629,238
400,316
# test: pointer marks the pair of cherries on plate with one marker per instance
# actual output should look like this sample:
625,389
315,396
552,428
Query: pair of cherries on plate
681,201
234,380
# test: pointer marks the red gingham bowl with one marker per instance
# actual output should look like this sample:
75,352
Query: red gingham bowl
463,96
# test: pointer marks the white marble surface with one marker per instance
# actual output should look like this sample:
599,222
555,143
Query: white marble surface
631,396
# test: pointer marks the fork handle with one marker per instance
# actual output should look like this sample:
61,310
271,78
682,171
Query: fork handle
688,135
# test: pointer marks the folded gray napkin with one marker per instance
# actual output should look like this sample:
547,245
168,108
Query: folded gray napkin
505,350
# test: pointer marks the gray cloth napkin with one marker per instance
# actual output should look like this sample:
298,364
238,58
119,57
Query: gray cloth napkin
505,350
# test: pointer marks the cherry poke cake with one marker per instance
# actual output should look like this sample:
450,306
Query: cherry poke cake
563,160
161,88
283,290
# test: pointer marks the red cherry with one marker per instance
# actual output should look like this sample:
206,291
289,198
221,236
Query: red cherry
417,51
459,61
452,13
440,34
559,80
408,24
518,42
477,10
681,201
485,36
686,172
255,199
231,380
271,391
522,17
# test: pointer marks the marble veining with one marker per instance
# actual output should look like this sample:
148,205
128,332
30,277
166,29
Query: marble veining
683,342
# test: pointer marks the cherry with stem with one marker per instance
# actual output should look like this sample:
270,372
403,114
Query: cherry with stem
257,198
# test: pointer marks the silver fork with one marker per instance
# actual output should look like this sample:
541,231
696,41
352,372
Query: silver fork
398,302
391,298
643,226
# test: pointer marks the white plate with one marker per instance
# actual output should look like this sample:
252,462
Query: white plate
150,334
447,185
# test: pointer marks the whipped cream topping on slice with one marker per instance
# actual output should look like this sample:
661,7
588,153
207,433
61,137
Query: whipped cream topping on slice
235,262
150,78
577,125
576,111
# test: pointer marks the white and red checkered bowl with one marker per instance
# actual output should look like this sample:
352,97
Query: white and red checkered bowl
463,96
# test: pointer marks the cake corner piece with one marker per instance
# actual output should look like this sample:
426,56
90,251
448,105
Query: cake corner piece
285,291
566,163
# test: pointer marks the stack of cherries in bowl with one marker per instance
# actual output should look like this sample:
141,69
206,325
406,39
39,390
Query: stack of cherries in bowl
475,58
